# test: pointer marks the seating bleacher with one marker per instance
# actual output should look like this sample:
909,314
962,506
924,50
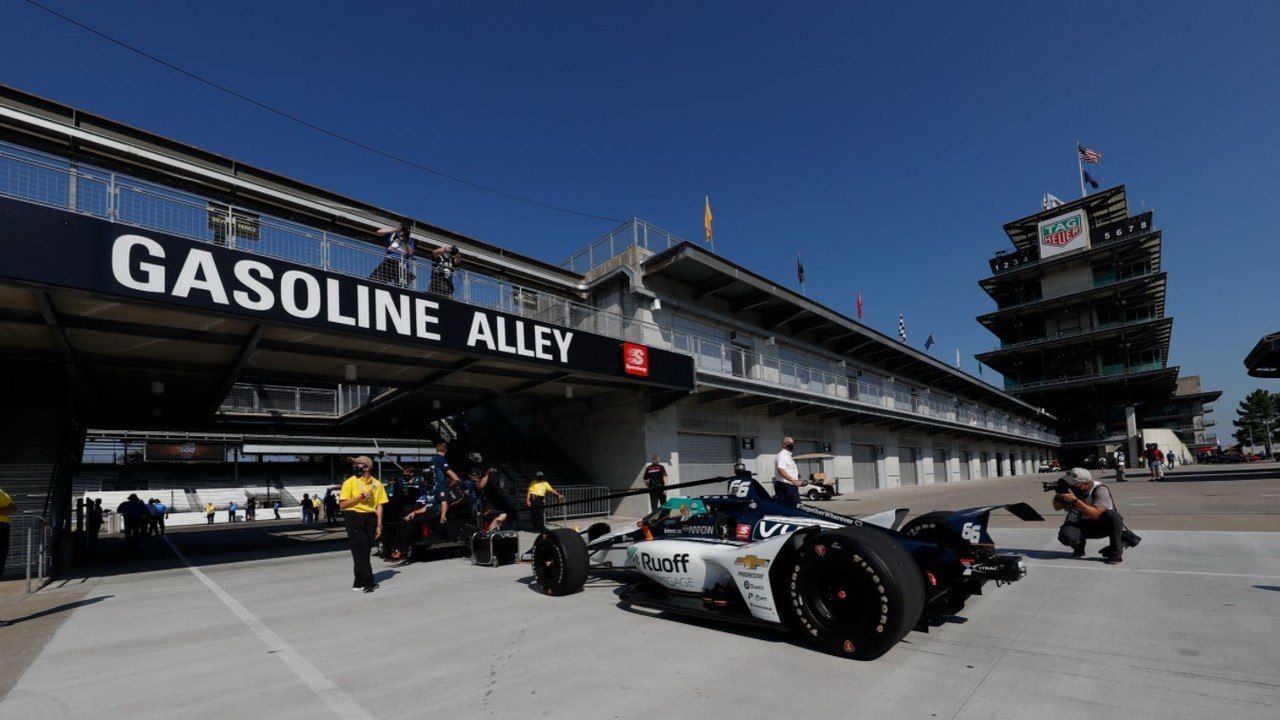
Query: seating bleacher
220,497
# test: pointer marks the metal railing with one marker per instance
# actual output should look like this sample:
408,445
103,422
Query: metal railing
632,233
1064,291
54,182
29,536
722,358
596,503
258,399
1108,371
1072,333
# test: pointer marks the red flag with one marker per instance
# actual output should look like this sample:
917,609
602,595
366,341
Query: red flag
859,304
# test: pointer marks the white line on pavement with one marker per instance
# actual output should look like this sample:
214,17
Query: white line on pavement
335,697
1151,570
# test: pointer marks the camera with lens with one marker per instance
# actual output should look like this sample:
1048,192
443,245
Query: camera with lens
1059,487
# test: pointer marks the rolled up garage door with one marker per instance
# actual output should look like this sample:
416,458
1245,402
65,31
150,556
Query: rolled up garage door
705,456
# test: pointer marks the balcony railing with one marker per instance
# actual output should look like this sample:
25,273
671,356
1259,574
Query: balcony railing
52,181
1066,290
1073,333
1107,371
720,358
632,233
257,399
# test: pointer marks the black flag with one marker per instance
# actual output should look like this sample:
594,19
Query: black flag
799,269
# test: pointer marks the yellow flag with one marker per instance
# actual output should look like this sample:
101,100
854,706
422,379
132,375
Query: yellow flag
706,218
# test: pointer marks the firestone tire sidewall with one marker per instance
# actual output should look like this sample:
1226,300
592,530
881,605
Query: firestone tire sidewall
879,567
560,562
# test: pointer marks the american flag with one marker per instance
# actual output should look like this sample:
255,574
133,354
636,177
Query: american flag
902,328
1087,155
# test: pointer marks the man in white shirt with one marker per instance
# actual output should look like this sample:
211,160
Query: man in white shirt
786,477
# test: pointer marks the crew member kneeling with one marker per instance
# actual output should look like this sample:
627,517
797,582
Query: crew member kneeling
1091,514
361,500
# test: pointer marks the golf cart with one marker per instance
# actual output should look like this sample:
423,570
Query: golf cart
817,486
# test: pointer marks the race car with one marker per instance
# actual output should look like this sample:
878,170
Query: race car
849,586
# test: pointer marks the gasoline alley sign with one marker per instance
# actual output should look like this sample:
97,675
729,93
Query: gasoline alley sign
50,246
1064,233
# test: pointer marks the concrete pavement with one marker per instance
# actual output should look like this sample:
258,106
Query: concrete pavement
1186,628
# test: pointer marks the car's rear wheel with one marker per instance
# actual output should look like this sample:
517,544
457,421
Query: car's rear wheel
560,561
853,592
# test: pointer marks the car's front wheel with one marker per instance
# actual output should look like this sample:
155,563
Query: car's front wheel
560,561
853,592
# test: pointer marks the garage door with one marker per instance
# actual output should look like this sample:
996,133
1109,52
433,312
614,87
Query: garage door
705,456
941,473
864,467
907,459
966,459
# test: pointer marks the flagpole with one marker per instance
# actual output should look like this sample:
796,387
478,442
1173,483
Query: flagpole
1080,168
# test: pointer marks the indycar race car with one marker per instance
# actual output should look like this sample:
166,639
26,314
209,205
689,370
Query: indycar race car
852,587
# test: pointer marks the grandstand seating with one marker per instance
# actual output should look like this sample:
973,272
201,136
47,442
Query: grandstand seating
176,500
220,497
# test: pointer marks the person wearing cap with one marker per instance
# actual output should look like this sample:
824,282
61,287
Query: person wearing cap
491,507
361,500
394,268
655,478
535,498
444,260
1092,514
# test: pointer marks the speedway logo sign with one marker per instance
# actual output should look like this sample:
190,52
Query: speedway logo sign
1064,233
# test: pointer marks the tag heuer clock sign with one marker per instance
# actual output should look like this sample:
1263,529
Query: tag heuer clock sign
1064,233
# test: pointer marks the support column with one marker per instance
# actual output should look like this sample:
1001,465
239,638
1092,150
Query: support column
1131,430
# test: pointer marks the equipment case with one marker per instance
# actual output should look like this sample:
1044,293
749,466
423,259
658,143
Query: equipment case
495,548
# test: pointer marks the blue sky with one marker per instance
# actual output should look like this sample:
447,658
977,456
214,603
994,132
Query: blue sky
885,144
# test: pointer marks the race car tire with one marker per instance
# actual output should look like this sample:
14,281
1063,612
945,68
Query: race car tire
597,530
853,592
560,561
933,527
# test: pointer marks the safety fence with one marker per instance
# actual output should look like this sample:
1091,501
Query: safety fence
590,501
632,233
29,556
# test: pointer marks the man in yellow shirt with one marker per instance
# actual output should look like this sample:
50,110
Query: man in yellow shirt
6,509
361,499
536,497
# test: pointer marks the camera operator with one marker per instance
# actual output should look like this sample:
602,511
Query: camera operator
1091,514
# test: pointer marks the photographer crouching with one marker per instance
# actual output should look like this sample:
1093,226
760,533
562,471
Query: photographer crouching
1091,514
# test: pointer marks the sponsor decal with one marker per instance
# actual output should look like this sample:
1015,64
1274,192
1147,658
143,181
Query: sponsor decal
768,529
699,529
821,550
1063,233
743,532
751,562
678,563
635,359
752,575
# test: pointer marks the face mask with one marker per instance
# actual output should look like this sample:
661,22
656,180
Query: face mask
787,446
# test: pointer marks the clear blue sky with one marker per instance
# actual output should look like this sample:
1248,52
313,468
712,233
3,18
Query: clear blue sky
886,145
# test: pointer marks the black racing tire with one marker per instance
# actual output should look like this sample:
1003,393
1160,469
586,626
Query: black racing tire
560,561
932,527
853,592
596,530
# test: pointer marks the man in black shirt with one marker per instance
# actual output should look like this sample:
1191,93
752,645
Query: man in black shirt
655,478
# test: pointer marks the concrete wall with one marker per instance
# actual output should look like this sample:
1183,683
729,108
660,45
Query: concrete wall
1167,440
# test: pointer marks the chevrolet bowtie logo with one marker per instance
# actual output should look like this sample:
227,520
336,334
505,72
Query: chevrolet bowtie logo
751,562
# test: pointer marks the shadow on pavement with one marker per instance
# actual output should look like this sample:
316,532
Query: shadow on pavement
58,609
1039,554
1272,588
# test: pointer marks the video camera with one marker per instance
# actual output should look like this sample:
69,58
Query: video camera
1060,486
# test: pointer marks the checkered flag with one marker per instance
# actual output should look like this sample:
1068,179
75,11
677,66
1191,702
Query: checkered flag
902,328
